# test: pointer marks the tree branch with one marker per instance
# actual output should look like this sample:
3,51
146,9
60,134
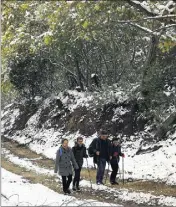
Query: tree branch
142,9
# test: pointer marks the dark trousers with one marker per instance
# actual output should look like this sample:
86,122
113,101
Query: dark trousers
101,164
115,168
77,177
66,180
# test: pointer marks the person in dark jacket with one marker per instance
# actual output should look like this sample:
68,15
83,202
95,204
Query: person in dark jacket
115,154
64,161
79,151
101,147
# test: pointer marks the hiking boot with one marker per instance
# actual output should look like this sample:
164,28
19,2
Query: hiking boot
78,189
65,192
74,188
114,183
100,183
68,191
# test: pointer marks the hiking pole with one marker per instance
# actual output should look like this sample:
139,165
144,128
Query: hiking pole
123,169
89,174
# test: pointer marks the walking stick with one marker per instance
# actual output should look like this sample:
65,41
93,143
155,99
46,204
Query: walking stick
123,168
89,174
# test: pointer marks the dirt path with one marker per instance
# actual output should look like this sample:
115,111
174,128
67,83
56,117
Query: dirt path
22,151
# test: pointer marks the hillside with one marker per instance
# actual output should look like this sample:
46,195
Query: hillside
42,125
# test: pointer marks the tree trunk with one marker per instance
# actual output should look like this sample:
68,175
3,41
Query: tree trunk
79,74
165,126
151,57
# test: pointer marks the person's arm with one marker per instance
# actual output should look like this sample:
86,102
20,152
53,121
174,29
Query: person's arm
73,150
74,163
120,153
85,153
110,149
57,161
93,146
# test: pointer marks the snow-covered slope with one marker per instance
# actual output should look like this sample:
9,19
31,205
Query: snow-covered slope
145,158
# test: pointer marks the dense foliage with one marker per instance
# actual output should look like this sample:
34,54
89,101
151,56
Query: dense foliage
88,45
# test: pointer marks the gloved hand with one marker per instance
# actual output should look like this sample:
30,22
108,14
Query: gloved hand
123,155
86,156
97,153
115,154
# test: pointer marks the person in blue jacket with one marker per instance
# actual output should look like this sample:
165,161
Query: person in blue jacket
115,158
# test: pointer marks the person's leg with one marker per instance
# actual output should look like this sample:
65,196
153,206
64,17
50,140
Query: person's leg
69,180
112,173
116,170
114,167
98,170
64,183
78,180
75,179
103,166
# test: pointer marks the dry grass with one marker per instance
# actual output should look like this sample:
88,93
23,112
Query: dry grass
154,188
24,152
20,151
86,175
45,162
33,177
48,181
142,186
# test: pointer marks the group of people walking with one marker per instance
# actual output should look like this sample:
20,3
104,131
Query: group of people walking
101,149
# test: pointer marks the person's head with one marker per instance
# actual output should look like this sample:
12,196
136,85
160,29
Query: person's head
103,134
115,141
80,141
65,143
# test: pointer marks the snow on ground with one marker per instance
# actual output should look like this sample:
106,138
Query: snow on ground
122,194
159,165
138,197
26,163
16,191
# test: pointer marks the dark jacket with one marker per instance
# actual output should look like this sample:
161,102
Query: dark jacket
96,145
79,153
116,153
64,161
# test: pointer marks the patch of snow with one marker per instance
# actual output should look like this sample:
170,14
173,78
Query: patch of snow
138,197
119,112
19,192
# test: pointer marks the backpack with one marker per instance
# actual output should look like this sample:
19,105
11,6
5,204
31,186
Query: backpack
91,148
60,152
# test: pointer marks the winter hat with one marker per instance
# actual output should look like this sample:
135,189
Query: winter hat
115,140
103,132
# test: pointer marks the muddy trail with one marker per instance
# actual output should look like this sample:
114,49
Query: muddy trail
51,181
